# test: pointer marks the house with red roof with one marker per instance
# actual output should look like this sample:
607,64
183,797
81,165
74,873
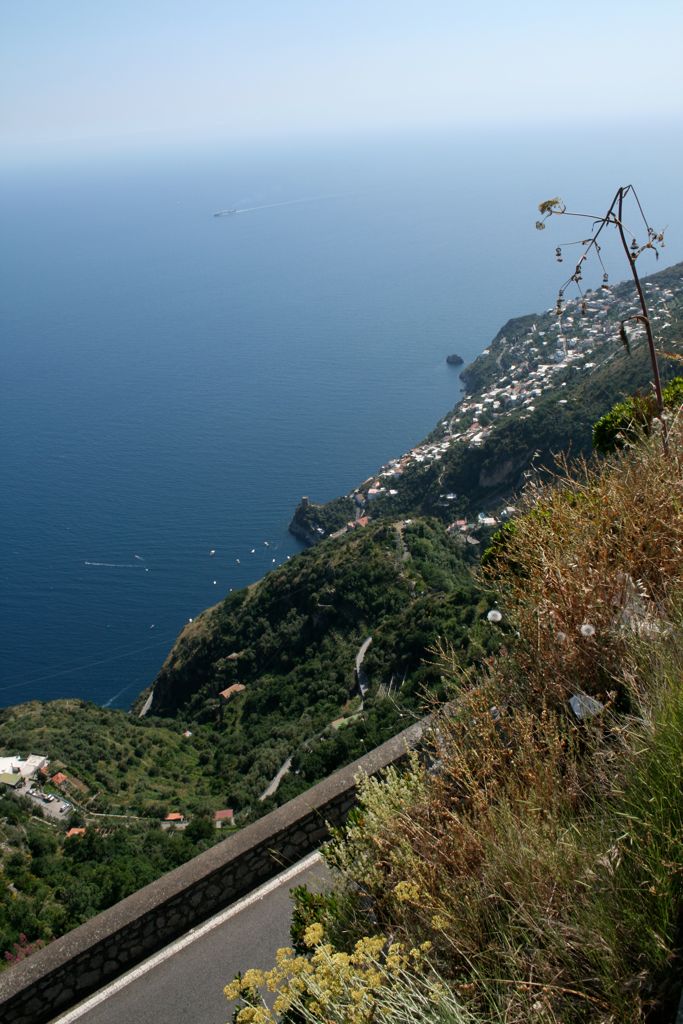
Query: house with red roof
174,819
232,690
225,817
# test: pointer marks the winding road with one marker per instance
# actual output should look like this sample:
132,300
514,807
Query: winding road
276,780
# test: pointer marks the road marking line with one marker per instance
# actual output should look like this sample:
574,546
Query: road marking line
195,933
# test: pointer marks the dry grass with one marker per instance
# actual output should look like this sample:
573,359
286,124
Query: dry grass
597,556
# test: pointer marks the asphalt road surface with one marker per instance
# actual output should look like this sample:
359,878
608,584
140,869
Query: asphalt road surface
183,983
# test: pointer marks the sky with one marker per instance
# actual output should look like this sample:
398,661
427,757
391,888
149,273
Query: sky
82,74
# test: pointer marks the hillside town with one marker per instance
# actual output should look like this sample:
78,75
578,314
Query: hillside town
579,335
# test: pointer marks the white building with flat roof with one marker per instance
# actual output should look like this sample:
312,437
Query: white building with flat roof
26,766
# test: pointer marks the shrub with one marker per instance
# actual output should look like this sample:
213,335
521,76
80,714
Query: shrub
627,419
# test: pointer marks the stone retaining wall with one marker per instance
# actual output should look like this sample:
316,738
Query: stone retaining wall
72,967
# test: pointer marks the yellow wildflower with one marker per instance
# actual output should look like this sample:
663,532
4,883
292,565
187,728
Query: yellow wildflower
373,979
313,935
234,989
394,962
282,1003
406,892
252,978
437,992
255,1015
370,946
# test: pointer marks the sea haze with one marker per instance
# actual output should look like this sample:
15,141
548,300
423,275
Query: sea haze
174,382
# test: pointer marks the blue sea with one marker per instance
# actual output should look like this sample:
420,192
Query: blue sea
174,382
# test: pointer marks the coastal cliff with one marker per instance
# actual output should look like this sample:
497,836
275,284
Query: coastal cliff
312,522
534,392
299,525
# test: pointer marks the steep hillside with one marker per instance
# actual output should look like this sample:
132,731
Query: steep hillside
289,646
289,642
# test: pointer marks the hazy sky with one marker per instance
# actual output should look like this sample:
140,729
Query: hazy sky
91,72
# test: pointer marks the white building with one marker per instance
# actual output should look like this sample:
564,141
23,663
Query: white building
27,767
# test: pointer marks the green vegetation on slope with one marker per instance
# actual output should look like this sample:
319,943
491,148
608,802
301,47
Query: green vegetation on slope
636,413
125,774
291,640
296,635
50,883
128,765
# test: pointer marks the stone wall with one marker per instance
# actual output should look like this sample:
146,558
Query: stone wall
72,967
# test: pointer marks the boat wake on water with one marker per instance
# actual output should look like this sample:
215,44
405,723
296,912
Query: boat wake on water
115,565
271,206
